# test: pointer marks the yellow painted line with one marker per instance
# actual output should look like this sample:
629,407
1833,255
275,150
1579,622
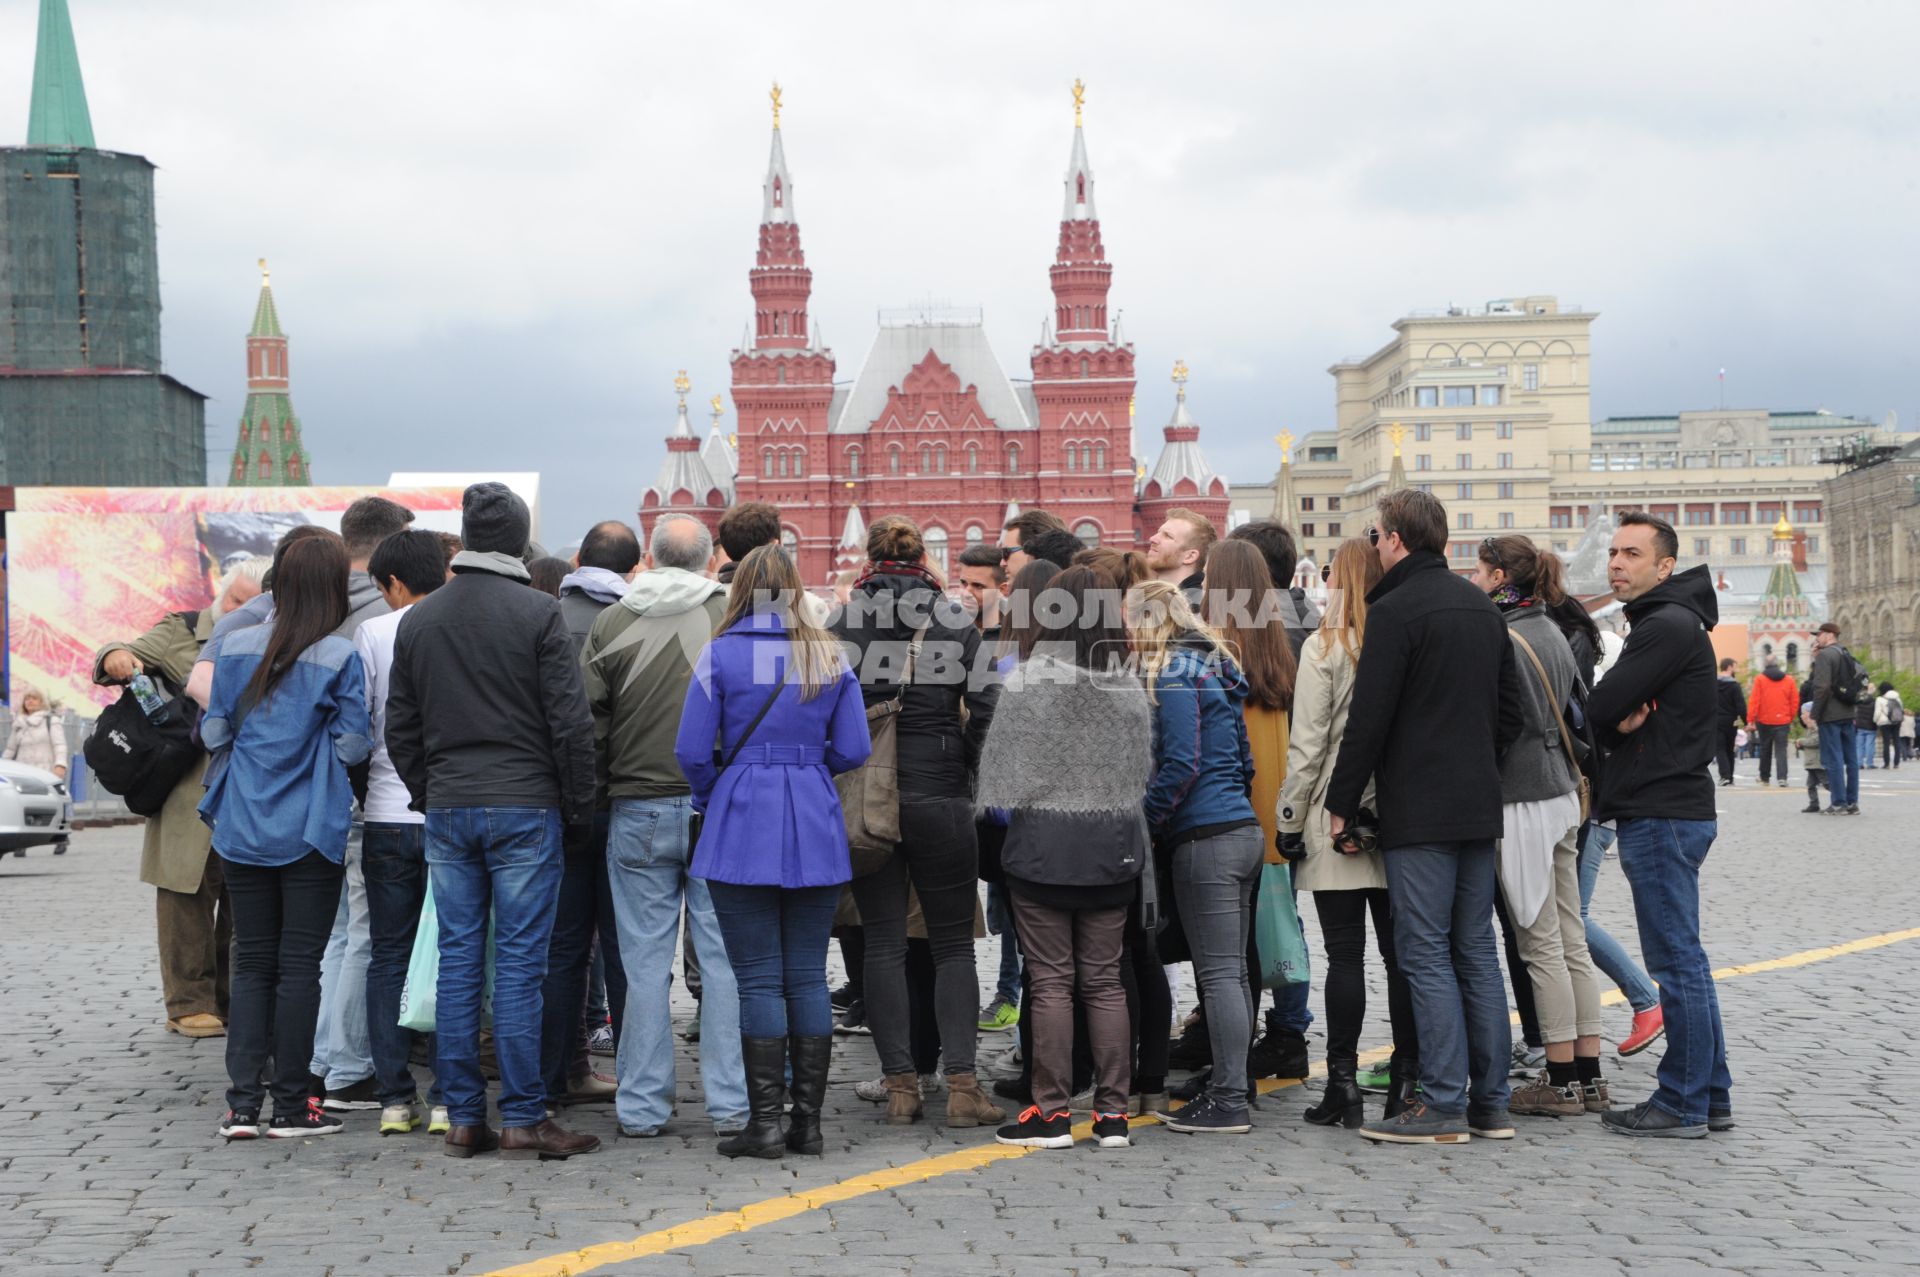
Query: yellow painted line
699,1232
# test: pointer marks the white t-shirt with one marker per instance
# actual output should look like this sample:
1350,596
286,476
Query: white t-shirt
387,798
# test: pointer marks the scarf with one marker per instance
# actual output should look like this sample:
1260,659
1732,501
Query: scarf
1507,599
597,584
894,567
492,561
1067,740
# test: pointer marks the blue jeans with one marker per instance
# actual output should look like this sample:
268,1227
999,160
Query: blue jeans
1609,954
1000,923
1864,739
585,908
1442,897
395,860
342,1053
648,850
1662,859
1842,760
506,859
777,943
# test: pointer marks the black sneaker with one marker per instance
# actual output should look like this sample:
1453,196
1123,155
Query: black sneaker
1193,1088
1648,1120
1720,1120
364,1094
312,1120
1208,1115
1110,1130
1193,1049
842,997
1034,1131
854,1018
1012,1088
241,1124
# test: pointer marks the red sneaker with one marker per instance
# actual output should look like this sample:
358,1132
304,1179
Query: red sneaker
1647,1028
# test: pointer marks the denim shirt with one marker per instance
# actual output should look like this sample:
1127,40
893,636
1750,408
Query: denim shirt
284,791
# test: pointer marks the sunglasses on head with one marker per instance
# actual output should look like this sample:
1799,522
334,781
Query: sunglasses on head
1373,534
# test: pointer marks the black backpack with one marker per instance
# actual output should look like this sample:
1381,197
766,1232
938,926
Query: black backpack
142,758
1853,685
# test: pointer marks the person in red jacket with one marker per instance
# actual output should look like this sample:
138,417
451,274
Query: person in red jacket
1771,706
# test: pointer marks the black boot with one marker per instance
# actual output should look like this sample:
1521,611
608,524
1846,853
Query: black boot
811,1056
766,1061
1193,1049
1280,1052
1341,1104
1400,1090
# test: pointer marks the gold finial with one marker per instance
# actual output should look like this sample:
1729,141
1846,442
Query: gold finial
1133,404
733,440
1140,470
1285,440
1180,377
1396,432
1783,531
715,403
1079,100
681,386
266,276
775,95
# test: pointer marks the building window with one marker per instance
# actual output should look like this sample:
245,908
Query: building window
1422,461
266,466
1333,503
1671,513
1463,461
1073,458
1462,551
1425,487
1333,529
766,463
1464,522
893,459
1422,432
1769,513
975,534
1806,512
1506,490
1457,397
1529,376
1736,514
1426,396
1506,518
1463,491
1503,429
973,459
1489,396
1737,546
1013,458
789,541
1813,545
1560,516
935,540
924,459
853,461
1464,431
1100,456
1699,516
1503,461
1306,530
1306,505
1702,547
940,458
1088,532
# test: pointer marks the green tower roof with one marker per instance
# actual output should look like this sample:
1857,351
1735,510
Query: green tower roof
266,319
58,116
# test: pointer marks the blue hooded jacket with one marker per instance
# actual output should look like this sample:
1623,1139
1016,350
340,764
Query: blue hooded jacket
1202,763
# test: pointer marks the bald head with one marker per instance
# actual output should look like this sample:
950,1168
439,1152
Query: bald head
680,541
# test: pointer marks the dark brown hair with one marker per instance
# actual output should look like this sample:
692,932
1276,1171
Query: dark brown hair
1019,628
1417,516
1236,590
545,574
1091,625
1127,567
1275,542
309,603
1033,522
1540,574
897,538
746,527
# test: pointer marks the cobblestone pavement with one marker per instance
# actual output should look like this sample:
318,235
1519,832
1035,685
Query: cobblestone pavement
109,1162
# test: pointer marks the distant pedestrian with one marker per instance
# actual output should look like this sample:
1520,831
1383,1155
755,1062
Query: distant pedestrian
1732,716
1833,689
1888,712
1773,703
38,738
1811,760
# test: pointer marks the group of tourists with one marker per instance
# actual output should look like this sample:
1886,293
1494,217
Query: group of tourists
1141,754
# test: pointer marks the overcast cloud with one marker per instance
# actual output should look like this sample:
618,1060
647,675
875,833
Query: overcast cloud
497,229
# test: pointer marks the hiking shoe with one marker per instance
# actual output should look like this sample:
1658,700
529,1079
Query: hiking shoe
438,1122
1110,1130
364,1094
1648,1025
1000,1015
1210,1116
1595,1096
240,1124
312,1120
1420,1125
1527,1060
398,1119
1035,1131
1375,1078
1490,1124
1649,1120
1720,1120
1539,1097
600,1041
853,1019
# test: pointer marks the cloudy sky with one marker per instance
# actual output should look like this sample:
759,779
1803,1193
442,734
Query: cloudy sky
497,229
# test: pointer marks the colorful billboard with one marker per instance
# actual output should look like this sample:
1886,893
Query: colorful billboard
87,566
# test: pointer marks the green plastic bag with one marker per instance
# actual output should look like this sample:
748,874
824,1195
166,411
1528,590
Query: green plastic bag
419,997
1276,930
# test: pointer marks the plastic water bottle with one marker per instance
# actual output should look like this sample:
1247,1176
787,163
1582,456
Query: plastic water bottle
148,695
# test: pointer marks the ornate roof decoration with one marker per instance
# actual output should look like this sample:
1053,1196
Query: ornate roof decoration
1180,460
684,479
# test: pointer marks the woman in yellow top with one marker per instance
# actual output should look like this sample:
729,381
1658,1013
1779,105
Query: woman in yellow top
1245,608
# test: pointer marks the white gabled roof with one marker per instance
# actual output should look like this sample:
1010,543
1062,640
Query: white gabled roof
683,470
897,348
854,535
1181,457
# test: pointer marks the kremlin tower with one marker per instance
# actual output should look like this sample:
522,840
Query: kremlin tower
270,453
684,485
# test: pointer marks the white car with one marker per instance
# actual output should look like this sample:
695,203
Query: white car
35,809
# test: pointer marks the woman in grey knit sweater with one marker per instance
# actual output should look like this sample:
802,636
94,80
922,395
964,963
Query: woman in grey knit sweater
1068,758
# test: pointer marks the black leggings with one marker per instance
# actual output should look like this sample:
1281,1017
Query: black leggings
1517,974
925,1026
1343,929
1149,1000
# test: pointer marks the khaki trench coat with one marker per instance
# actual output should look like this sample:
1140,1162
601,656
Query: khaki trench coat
1322,695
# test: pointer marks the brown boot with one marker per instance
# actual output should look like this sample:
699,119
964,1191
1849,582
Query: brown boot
549,1141
465,1141
903,1098
968,1105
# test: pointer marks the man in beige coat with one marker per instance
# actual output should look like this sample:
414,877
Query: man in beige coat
194,929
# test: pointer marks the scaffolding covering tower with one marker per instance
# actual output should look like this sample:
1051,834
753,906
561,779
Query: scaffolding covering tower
84,396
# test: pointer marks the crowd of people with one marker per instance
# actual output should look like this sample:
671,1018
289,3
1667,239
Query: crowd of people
551,765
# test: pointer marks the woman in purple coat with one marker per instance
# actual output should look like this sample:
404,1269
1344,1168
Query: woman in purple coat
772,713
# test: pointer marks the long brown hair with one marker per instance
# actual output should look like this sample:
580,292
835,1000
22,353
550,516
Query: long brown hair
1019,617
1240,603
1089,626
1540,575
1356,570
309,603
766,580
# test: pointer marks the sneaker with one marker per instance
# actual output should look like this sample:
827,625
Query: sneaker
842,997
1209,1116
592,1088
1193,1088
873,1092
1783,784
312,1120
642,1132
1110,1130
1595,1096
1012,1088
1853,809
1375,1078
1647,1027
1527,1060
438,1122
1035,1131
1003,1066
1000,1015
364,1094
931,1084
1082,1101
398,1119
1420,1125
241,1124
1148,1103
600,1041
853,1019
1649,1120
1720,1120
1541,1098
1193,1049
1490,1124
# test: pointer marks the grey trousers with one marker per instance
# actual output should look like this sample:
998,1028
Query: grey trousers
1213,883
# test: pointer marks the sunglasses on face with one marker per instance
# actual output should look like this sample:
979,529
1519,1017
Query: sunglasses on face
1008,551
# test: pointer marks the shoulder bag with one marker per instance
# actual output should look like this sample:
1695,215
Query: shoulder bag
1584,788
693,836
870,794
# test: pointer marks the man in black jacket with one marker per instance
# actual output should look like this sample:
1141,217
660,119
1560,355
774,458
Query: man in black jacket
1435,701
487,725
1732,704
1658,711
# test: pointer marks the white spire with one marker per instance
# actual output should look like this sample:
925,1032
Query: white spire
854,535
1079,201
776,193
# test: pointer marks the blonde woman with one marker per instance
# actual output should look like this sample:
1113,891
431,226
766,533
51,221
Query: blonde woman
772,714
1347,884
39,738
1201,817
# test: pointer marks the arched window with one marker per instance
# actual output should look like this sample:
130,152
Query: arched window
925,459
973,459
779,194
975,534
789,541
286,432
1083,367
766,463
1013,458
936,543
266,466
1073,458
239,468
893,458
1100,456
293,467
1793,656
1089,533
853,461
783,463
940,458
1080,189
